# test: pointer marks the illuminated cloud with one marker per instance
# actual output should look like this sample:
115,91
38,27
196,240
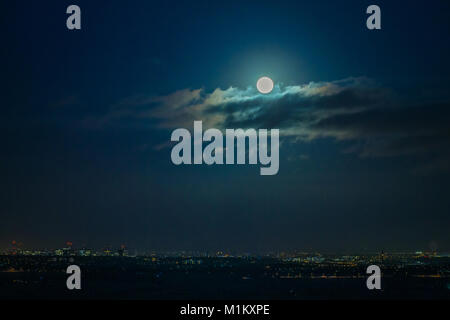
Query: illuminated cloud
354,109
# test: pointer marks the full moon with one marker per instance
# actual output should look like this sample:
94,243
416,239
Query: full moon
264,85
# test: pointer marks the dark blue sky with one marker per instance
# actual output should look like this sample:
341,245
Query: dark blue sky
83,156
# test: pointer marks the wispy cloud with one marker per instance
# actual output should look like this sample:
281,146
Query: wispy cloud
352,109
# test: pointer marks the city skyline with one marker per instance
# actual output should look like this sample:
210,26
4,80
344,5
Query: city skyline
16,247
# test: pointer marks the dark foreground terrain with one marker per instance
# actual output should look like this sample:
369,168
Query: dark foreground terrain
219,278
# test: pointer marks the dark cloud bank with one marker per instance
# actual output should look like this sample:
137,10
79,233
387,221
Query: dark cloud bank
372,118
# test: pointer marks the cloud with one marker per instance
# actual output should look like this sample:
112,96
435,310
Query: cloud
354,109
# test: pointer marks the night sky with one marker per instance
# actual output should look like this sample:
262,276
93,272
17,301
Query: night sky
364,118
